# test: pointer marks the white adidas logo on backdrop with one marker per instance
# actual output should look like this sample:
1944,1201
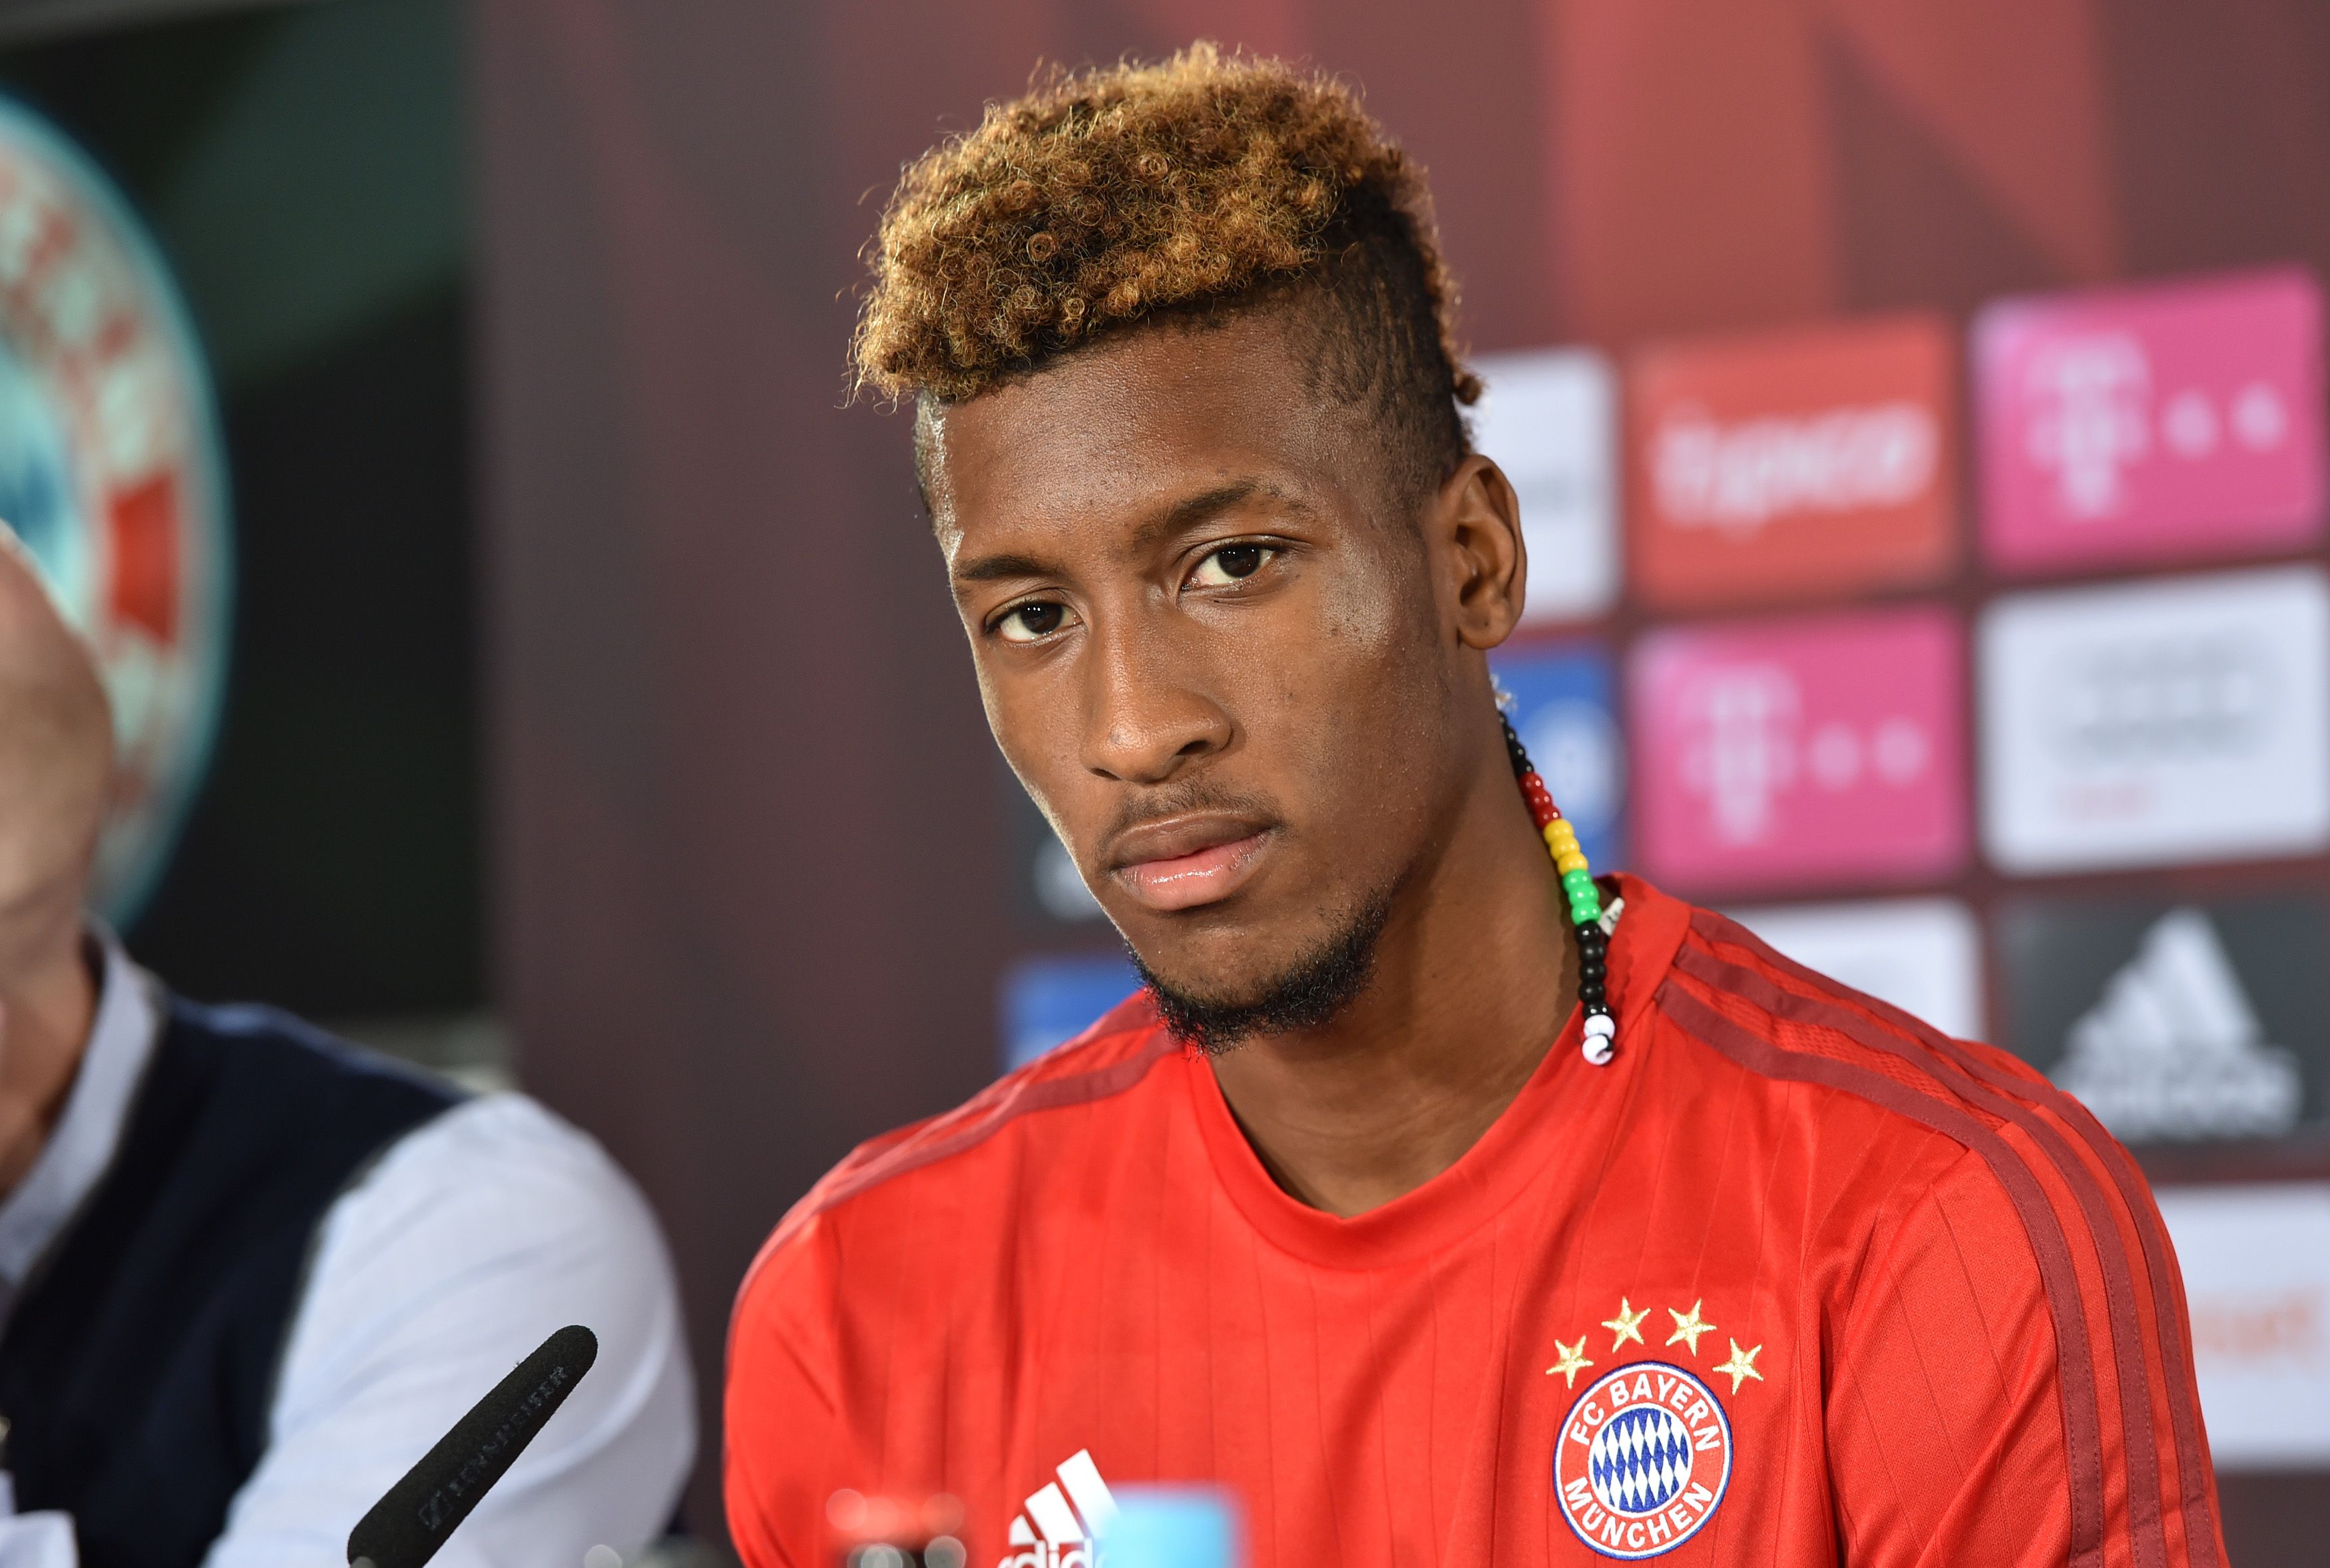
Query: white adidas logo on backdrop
2172,1048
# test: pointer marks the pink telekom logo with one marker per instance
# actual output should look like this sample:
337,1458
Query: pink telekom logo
2152,424
1792,754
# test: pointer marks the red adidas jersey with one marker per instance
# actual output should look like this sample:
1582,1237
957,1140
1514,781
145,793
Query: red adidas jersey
1792,1280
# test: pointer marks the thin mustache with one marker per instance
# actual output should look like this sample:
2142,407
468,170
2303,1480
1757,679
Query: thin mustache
1178,800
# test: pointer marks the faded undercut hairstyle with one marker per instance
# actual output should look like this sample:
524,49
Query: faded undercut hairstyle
1207,187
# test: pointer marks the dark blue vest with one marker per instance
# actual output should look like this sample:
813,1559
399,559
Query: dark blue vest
136,1371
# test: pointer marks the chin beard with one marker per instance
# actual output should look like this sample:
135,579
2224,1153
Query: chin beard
1304,995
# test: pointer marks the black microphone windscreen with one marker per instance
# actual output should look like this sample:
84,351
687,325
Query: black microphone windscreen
411,1520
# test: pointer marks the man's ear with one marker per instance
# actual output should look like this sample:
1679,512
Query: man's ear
1476,537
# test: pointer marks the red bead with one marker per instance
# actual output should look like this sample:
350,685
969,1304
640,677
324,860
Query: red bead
1542,810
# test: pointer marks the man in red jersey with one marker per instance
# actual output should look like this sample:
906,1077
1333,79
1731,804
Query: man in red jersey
1443,1204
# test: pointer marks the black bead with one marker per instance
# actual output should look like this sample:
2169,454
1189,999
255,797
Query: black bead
1513,748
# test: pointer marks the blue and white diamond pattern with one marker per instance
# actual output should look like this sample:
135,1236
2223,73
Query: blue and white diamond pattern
1639,1459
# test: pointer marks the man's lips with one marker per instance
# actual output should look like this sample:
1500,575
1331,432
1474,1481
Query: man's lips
1180,864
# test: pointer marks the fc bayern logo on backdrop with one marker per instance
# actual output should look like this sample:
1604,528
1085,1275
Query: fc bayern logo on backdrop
1642,1460
111,477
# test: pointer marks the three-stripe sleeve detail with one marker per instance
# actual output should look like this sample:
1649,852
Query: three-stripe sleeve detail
1961,1075
2082,1424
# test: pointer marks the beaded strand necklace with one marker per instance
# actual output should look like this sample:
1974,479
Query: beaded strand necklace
1601,1039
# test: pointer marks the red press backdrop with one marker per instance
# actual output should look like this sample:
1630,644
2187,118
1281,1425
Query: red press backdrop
752,880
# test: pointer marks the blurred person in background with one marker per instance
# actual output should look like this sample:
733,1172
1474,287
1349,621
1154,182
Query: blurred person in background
1442,1202
250,1274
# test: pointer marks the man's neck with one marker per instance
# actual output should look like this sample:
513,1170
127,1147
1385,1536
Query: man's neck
48,1005
1474,977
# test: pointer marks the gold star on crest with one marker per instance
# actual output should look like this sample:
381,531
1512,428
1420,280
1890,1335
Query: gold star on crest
1741,1366
1688,1329
1625,1327
1573,1361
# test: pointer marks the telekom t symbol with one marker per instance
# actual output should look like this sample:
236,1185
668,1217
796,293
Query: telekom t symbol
2091,402
1742,754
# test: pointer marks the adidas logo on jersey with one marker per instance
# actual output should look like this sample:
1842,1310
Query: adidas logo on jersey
2172,1048
1063,1519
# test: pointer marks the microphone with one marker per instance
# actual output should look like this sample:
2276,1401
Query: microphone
413,1518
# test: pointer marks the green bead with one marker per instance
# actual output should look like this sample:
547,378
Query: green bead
1579,885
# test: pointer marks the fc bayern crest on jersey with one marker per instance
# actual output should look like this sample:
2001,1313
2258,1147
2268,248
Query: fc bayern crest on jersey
111,477
1642,1460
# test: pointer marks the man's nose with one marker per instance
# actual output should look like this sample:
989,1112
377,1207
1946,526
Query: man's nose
1144,718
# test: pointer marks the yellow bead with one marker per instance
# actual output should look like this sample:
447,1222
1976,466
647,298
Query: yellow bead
1559,836
1571,861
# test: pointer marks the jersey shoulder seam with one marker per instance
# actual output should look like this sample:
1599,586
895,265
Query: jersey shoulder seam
1040,1086
1779,986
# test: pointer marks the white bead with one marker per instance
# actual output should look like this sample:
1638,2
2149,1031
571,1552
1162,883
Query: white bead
1601,1024
1597,1050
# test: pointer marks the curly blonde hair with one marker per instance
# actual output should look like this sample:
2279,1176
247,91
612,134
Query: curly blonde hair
1207,184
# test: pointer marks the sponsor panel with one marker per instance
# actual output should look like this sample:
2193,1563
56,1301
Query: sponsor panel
1045,1000
1566,712
1548,418
2175,1022
2152,423
1923,955
2256,1262
1800,753
2146,723
1818,462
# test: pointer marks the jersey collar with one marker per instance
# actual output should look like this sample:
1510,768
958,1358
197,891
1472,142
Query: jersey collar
1563,1098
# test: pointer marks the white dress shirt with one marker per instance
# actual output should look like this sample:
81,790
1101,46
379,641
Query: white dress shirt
465,1243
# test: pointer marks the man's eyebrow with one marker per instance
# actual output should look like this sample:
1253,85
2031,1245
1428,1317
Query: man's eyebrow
989,568
1178,518
1188,512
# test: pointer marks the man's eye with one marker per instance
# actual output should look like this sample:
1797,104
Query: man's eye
1229,565
1032,622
